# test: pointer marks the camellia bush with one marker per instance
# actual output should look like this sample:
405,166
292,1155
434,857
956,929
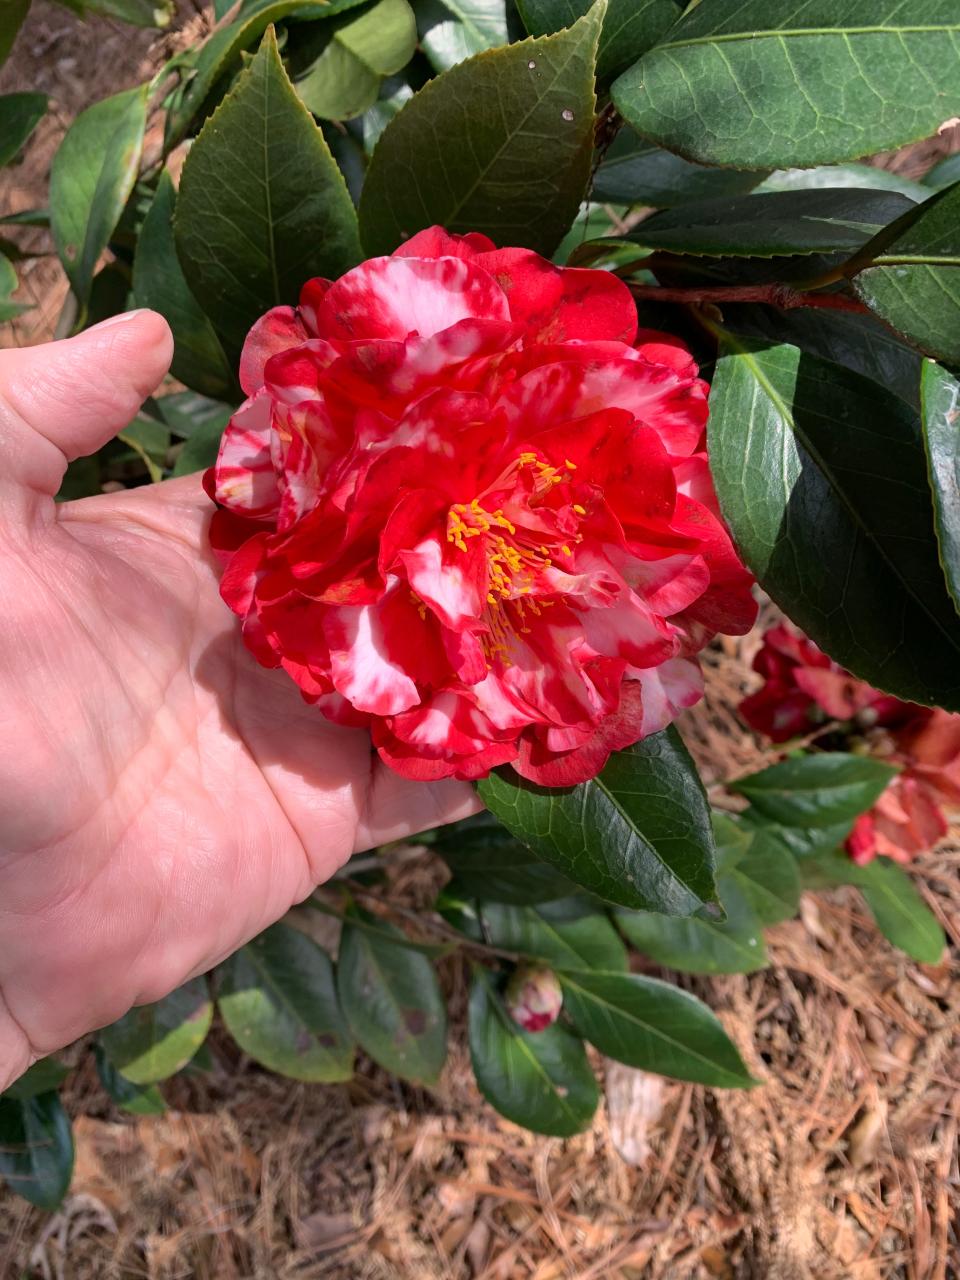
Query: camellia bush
516,342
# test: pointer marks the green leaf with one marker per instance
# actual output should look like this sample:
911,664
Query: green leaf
515,129
541,1080
138,13
92,175
768,878
634,171
138,1099
638,834
816,790
201,450
914,284
944,173
844,175
392,1001
159,283
858,342
698,944
13,15
154,1041
569,934
753,84
490,863
20,113
278,1000
454,30
8,282
779,224
345,79
822,480
654,1026
222,54
800,843
630,27
901,914
44,1076
262,205
187,414
940,393
36,1148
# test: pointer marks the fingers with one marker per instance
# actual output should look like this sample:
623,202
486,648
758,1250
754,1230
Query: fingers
397,808
63,400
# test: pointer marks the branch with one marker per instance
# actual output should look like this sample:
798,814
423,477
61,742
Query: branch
774,295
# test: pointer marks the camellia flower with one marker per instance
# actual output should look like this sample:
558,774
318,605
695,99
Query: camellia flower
533,997
467,505
803,689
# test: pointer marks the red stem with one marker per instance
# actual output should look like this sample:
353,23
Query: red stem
775,295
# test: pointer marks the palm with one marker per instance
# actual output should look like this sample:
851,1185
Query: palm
162,798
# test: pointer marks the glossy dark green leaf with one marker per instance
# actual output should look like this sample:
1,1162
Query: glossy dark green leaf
858,342
91,178
941,434
36,1148
279,1002
914,284
699,944
900,912
489,862
153,1041
638,834
515,129
767,877
44,1076
634,171
778,224
138,1099
362,48
201,450
9,282
654,1026
816,790
20,113
262,205
755,84
454,30
822,479
188,414
222,53
159,283
14,13
569,934
801,843
843,175
541,1080
392,1001
629,28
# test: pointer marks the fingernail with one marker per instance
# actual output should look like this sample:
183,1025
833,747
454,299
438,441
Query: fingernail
122,318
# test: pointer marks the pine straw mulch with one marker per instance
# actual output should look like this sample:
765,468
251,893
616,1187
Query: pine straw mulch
842,1164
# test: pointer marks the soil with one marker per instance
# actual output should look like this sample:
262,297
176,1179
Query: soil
841,1165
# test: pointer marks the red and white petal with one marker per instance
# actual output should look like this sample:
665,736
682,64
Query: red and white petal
245,479
361,666
389,298
559,304
278,330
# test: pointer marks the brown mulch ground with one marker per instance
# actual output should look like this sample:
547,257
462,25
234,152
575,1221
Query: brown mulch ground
843,1164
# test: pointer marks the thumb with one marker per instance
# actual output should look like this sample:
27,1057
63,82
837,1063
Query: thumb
63,400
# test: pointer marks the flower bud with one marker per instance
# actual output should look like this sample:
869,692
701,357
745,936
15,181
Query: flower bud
534,997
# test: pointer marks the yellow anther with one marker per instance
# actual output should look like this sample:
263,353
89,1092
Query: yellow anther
566,550
581,511
571,466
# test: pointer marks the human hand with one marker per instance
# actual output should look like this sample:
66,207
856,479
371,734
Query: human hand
162,798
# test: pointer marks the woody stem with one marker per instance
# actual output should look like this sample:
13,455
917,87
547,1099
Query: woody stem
774,295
